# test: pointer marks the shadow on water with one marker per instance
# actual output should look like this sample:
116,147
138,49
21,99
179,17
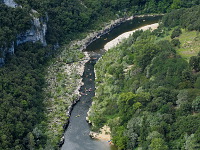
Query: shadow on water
130,25
77,134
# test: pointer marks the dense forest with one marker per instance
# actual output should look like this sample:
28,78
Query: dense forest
147,92
21,109
23,122
67,18
12,22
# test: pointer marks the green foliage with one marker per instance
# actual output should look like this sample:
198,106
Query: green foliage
195,63
176,4
196,104
156,102
182,97
68,18
130,81
191,142
22,109
158,144
186,18
176,33
13,22
197,83
176,42
119,138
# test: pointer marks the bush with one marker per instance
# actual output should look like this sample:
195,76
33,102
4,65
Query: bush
176,33
176,42
195,63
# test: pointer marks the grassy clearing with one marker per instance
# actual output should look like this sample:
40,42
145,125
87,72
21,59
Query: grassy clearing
190,44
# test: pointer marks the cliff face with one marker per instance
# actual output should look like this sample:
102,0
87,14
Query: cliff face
10,3
37,32
3,51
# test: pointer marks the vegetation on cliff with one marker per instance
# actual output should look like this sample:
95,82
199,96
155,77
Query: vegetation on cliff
147,92
12,22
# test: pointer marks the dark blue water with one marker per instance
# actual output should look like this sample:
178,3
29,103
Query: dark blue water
77,134
130,25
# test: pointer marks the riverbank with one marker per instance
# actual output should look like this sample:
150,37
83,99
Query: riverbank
125,35
82,44
64,81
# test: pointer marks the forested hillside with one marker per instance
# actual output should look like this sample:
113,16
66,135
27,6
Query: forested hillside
67,18
22,108
23,124
149,94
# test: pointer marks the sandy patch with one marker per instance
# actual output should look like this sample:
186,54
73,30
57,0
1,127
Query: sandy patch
104,134
125,35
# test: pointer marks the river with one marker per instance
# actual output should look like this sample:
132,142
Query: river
77,134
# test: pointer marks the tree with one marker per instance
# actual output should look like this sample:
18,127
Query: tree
158,144
119,137
31,141
176,4
182,97
196,104
176,32
197,83
195,63
154,134
191,143
150,6
125,104
176,42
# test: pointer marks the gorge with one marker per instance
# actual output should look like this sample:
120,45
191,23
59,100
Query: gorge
145,90
78,128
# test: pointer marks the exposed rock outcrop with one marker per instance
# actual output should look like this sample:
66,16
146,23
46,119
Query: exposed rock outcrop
2,62
3,52
10,3
36,33
106,29
95,35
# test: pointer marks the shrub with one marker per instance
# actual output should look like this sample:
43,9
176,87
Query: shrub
176,32
175,42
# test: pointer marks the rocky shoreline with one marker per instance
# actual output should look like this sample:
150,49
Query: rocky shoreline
80,69
108,27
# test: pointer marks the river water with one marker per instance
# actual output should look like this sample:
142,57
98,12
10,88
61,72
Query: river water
77,134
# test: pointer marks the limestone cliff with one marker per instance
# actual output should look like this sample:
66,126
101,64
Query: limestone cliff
3,52
10,3
37,32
